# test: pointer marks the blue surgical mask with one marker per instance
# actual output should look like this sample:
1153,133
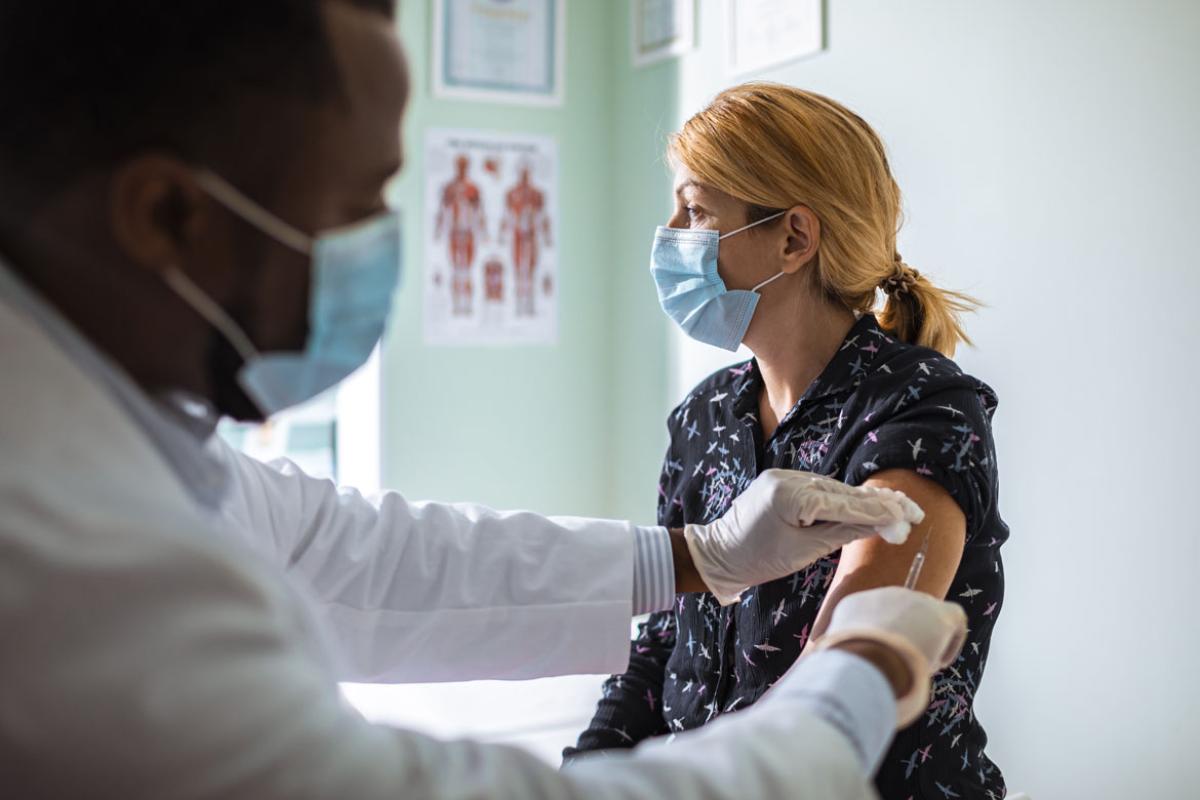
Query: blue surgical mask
355,271
683,263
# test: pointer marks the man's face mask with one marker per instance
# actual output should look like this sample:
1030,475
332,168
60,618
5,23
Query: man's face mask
355,270
683,263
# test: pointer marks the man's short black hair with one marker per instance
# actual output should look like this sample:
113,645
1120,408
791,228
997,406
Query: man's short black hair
84,83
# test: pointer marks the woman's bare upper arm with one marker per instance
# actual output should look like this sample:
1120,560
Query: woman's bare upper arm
872,562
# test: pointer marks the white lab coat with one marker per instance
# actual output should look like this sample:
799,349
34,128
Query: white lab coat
422,592
145,652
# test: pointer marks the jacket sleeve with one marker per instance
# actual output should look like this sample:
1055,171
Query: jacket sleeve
630,709
424,592
946,436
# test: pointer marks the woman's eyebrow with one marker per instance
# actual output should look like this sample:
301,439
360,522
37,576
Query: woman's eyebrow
689,184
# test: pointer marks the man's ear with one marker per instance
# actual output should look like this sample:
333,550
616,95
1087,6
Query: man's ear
156,210
802,239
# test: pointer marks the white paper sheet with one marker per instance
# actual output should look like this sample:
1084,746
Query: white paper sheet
764,33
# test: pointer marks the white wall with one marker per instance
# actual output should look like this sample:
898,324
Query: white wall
1049,155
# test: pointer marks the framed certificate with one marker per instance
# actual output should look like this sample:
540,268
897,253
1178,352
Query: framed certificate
766,33
500,51
661,29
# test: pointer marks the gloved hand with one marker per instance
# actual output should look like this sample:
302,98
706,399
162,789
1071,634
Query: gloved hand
926,633
787,520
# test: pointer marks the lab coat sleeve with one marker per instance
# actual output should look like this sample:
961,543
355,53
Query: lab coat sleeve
165,668
421,592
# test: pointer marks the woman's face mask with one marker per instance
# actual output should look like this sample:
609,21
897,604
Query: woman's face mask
355,271
683,263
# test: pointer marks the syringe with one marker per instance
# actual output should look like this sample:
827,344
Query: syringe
914,572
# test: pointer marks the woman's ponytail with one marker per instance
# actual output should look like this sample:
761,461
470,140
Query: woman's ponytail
918,312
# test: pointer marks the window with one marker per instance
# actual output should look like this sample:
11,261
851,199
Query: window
336,435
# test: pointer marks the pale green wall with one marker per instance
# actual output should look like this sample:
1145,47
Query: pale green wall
577,428
523,426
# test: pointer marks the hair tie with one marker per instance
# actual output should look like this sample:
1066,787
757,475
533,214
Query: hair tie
901,281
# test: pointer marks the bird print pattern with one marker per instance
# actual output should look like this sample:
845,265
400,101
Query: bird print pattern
879,404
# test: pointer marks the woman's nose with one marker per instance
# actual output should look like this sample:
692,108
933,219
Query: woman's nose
678,220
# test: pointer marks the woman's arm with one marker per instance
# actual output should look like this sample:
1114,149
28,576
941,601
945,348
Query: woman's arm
871,563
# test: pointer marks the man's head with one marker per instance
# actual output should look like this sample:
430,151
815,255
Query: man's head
110,109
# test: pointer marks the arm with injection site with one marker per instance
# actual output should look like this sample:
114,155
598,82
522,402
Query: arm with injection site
872,563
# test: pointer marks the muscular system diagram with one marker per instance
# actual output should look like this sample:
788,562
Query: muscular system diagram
460,220
525,223
491,246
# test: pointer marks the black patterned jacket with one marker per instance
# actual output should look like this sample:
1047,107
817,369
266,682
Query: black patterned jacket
880,404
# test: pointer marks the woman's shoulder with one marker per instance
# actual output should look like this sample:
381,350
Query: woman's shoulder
917,376
917,410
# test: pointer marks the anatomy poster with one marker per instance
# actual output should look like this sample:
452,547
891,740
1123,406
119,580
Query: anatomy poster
491,242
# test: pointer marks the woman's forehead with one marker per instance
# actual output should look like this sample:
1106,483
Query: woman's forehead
687,183
684,179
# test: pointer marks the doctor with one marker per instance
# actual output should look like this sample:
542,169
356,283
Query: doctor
192,225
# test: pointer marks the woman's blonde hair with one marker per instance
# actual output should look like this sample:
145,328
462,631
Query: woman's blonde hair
774,147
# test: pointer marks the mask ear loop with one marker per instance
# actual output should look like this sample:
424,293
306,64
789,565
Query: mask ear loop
216,316
230,197
768,280
752,224
748,227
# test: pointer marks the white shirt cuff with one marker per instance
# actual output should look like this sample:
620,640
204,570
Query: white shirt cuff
653,570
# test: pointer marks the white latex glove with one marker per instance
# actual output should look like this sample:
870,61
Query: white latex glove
787,520
926,633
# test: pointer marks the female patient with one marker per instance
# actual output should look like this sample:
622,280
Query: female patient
784,232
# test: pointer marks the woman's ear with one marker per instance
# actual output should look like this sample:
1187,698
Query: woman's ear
802,238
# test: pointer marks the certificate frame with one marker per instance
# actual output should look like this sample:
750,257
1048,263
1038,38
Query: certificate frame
681,43
791,43
452,29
